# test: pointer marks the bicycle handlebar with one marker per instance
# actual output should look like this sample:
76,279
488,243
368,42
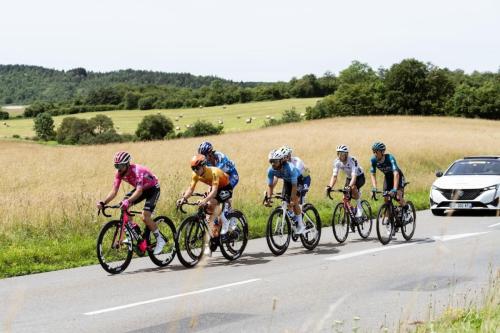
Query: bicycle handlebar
277,195
337,190
179,207
103,210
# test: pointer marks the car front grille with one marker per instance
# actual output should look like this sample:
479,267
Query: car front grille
461,194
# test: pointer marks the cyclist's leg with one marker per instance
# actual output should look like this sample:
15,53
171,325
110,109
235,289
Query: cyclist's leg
356,193
387,185
224,195
151,195
401,190
213,210
233,180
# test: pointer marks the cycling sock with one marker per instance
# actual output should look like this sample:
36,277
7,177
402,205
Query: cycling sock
299,218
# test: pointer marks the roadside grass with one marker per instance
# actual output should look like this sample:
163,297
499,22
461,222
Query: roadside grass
49,218
126,121
482,317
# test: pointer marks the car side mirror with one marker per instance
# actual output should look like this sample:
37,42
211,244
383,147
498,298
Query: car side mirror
439,173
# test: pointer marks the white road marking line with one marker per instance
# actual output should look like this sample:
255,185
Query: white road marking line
363,252
493,225
322,322
169,297
443,238
446,238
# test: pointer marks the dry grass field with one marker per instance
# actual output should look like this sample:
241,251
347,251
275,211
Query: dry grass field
59,185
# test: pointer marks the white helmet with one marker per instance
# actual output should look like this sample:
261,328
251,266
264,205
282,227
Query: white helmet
271,153
278,154
286,150
342,149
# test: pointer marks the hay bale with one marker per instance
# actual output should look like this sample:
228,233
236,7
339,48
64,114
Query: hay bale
248,120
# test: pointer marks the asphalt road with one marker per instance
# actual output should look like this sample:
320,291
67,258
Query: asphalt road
332,288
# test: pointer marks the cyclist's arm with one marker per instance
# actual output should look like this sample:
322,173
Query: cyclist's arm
213,189
374,180
137,193
111,195
333,180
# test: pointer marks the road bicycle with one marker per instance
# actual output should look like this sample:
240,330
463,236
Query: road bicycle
193,231
118,239
281,226
344,217
390,218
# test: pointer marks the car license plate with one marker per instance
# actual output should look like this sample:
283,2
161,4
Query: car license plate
461,205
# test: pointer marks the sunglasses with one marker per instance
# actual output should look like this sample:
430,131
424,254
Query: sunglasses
194,168
119,166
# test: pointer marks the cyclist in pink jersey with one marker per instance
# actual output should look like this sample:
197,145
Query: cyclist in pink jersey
146,187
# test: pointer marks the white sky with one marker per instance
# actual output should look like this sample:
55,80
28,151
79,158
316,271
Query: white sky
252,40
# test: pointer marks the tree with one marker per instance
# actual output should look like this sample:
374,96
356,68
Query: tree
146,103
44,126
407,88
4,115
73,129
131,101
202,128
101,124
357,72
36,108
154,127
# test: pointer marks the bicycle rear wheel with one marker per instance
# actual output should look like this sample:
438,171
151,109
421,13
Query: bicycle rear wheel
312,222
365,221
167,231
340,223
278,232
114,248
190,241
409,222
385,224
236,239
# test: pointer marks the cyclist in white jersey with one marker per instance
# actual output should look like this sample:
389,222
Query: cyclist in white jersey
299,165
355,177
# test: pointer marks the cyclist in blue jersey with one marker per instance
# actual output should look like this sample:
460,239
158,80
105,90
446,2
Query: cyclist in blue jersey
292,178
393,176
303,169
221,161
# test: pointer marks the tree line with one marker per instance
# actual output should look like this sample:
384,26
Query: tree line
411,87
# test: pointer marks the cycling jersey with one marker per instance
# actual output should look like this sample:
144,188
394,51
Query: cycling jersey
287,172
351,167
387,166
138,176
212,176
299,165
225,164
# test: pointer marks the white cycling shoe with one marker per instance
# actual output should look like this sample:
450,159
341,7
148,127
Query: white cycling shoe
160,243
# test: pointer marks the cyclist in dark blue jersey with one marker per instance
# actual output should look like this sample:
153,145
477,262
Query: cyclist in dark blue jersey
393,176
292,178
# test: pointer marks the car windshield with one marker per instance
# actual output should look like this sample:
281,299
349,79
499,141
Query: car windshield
475,167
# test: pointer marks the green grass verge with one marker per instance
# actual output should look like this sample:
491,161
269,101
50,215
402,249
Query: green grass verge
485,318
28,249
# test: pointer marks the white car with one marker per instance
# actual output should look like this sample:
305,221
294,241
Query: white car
469,183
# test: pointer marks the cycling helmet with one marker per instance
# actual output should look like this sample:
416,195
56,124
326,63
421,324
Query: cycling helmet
278,154
342,149
286,150
205,148
378,146
198,160
271,153
122,157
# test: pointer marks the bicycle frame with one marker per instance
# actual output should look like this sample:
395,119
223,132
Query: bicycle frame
125,216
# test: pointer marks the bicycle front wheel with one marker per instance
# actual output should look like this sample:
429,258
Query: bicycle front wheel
312,222
278,232
190,241
409,221
236,238
365,221
114,247
385,224
340,223
167,231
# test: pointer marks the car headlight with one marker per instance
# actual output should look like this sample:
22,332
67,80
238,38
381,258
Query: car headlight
433,187
492,187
